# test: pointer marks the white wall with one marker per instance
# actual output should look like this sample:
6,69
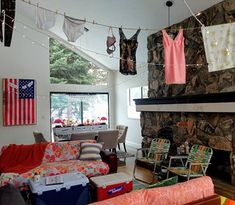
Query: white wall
122,83
26,60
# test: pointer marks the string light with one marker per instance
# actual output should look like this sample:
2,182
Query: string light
107,26
80,47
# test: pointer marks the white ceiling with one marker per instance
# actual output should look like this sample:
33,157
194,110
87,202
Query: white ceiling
132,14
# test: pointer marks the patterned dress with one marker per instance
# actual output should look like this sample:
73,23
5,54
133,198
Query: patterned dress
128,49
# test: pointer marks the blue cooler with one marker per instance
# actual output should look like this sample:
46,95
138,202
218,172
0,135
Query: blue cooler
74,190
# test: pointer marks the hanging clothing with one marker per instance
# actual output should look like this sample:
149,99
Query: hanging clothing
6,31
45,19
73,28
219,44
175,68
110,42
128,49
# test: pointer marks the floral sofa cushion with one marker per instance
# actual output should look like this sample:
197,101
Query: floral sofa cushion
61,151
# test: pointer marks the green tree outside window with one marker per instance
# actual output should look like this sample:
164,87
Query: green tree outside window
67,67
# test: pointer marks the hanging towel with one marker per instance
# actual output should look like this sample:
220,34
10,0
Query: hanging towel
45,19
73,28
219,44
128,49
175,68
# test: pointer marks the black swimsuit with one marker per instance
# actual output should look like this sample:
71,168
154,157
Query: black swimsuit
9,7
128,49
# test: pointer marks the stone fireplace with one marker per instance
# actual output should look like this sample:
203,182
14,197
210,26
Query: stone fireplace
202,111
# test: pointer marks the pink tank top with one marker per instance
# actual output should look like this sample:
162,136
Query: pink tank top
175,69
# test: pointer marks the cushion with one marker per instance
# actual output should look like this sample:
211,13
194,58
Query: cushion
90,151
166,182
60,151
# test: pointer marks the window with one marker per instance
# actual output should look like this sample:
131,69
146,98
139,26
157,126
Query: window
76,109
135,93
67,67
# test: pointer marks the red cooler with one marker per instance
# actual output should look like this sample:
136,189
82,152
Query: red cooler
108,186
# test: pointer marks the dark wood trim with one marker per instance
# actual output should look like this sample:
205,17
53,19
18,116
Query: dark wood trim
189,99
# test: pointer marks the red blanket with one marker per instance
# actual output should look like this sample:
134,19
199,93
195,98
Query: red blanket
21,158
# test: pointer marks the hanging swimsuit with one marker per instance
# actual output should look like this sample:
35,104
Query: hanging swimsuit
73,28
128,49
175,68
111,40
6,31
45,19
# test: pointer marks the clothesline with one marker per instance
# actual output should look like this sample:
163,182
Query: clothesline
76,46
116,27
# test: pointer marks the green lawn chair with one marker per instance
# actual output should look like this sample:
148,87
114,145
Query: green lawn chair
154,155
196,163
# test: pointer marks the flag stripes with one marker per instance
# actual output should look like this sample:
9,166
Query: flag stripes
19,102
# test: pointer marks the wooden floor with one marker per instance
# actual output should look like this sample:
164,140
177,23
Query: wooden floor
221,188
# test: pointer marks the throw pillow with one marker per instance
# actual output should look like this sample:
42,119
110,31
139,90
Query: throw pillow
166,182
90,151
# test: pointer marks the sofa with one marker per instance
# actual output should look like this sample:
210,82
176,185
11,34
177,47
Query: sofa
199,191
48,159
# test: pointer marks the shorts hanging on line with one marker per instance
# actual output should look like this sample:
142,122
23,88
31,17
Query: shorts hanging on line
73,28
45,19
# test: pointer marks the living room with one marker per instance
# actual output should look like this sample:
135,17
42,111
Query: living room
28,57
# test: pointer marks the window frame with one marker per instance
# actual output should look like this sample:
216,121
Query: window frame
131,108
81,93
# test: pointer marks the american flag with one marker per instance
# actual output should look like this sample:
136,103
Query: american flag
19,103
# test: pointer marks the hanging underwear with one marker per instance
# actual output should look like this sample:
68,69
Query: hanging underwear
6,31
73,28
219,46
45,19
128,49
111,40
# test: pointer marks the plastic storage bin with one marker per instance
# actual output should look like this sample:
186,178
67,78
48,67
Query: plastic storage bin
73,191
108,186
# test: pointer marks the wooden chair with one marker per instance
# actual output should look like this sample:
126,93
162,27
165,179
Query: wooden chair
154,155
84,136
195,165
122,135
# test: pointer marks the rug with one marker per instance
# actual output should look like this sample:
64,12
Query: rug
138,185
122,154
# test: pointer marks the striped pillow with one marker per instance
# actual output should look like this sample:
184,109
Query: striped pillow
90,151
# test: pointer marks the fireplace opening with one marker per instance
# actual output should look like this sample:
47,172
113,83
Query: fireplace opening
220,166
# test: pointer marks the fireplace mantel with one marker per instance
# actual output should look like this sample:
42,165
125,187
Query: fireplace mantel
216,102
